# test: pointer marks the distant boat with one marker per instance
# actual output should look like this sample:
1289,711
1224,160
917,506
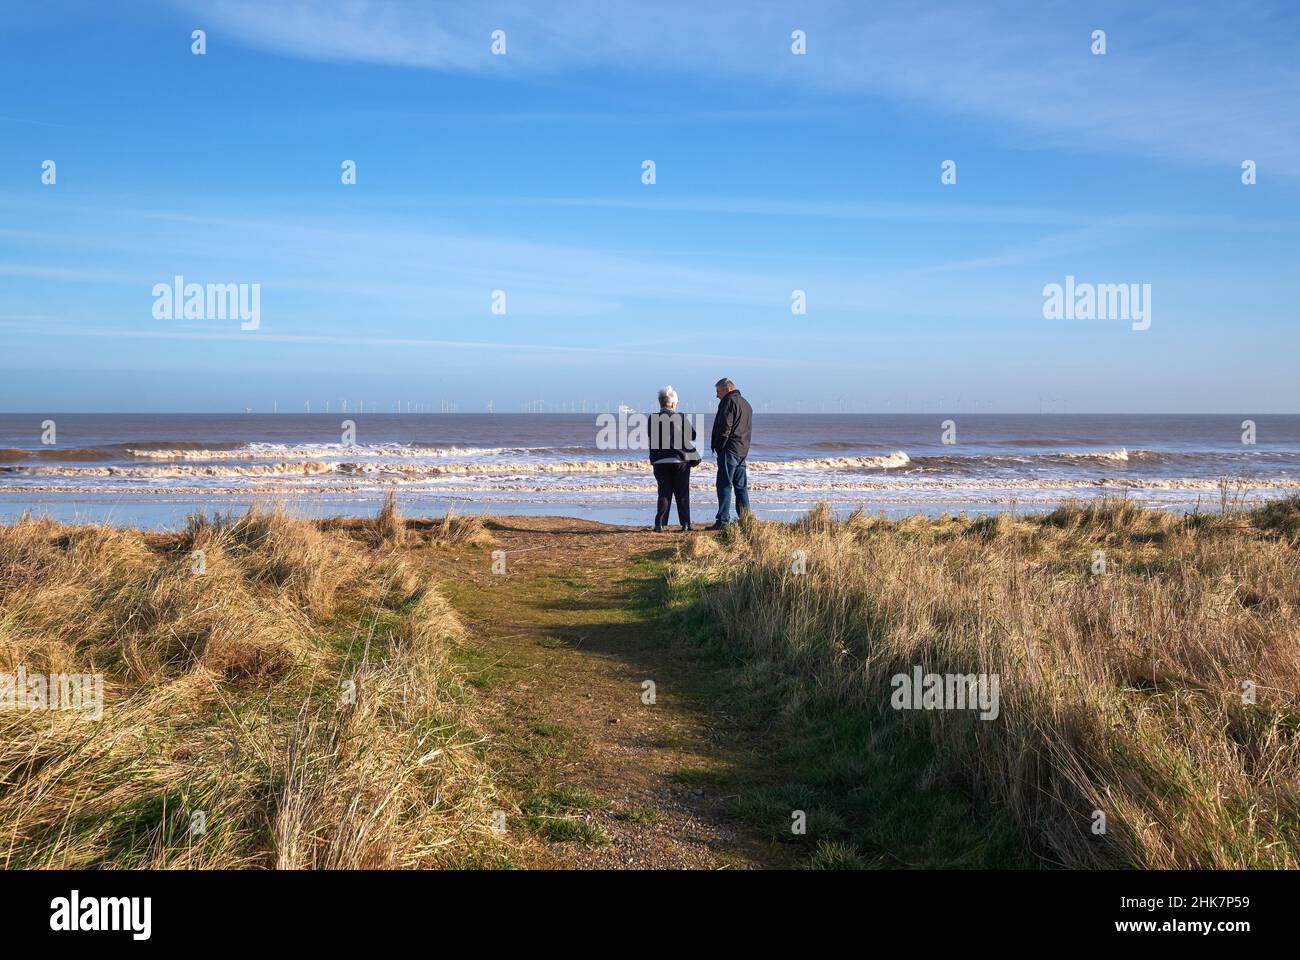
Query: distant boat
624,408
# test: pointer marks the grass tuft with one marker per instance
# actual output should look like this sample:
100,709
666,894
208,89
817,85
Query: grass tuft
1121,683
275,695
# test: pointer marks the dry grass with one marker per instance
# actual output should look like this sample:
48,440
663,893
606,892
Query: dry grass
1120,692
390,529
455,530
290,706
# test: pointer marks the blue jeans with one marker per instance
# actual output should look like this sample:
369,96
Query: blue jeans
731,475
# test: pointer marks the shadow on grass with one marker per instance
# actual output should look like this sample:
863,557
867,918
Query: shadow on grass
817,782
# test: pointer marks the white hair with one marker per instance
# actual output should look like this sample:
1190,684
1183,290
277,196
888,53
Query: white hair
668,397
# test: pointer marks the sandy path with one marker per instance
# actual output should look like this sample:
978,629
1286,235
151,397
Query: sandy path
560,647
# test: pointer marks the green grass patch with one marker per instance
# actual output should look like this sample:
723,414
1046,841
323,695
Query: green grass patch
476,667
561,815
639,815
867,788
556,731
696,776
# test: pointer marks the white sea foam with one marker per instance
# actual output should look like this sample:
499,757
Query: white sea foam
891,462
312,483
270,451
389,458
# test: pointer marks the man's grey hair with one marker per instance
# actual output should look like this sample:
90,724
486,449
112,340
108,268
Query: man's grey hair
725,382
668,397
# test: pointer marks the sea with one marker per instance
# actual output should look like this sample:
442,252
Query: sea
152,470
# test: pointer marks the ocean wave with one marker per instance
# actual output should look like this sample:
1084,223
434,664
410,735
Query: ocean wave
575,456
147,445
345,468
270,451
15,455
402,451
835,445
403,463
1068,458
316,467
358,485
891,461
1111,456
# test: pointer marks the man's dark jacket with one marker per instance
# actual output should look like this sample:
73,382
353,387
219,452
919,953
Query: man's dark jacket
733,425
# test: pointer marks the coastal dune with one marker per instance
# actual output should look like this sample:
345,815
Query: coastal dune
1147,664
330,693
274,694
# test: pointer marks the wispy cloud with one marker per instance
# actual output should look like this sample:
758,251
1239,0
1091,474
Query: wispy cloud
322,274
621,351
1213,83
34,123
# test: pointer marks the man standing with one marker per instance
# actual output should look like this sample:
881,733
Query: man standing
732,427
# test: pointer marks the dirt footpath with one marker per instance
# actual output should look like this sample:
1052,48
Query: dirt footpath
560,650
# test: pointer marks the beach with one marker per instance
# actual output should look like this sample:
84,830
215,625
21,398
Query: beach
152,470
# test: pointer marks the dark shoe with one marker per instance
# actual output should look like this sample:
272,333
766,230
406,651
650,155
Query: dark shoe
687,528
717,526
658,529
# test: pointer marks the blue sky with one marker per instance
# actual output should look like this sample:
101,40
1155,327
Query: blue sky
775,172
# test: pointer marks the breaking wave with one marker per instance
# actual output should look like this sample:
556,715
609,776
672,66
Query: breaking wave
893,461
14,455
1010,489
270,451
376,465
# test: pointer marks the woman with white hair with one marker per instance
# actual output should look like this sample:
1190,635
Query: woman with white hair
672,454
